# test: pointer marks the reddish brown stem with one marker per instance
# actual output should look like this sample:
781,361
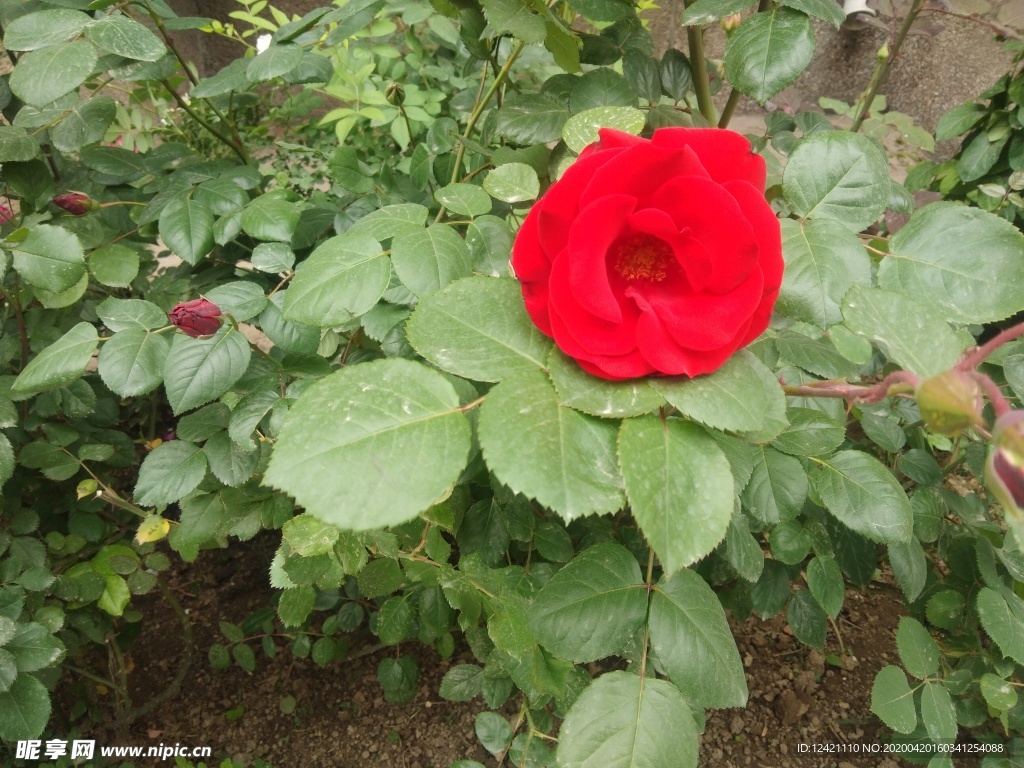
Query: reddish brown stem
898,382
976,356
999,402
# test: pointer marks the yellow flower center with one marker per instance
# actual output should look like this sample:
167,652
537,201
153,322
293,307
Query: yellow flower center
642,257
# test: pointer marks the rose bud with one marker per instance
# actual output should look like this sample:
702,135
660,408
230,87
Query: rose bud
199,317
950,403
730,23
395,94
1004,470
75,203
6,215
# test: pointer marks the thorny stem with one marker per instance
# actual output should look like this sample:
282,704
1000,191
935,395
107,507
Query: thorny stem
999,402
899,382
695,42
124,702
515,727
976,356
881,72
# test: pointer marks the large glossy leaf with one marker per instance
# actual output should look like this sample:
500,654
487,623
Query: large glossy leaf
707,11
43,28
823,259
131,362
679,485
1002,617
48,73
372,445
591,608
344,277
50,258
270,217
777,488
912,334
428,260
600,397
125,37
768,52
582,128
59,364
16,145
625,721
893,701
277,60
170,472
734,398
531,119
198,371
693,642
478,328
186,227
516,18
864,495
963,261
24,709
838,175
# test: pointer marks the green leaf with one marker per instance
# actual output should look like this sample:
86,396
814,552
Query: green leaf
825,580
344,277
601,87
958,120
918,650
823,259
131,362
50,258
679,485
706,11
643,75
624,721
910,567
768,52
309,536
47,74
372,445
676,74
938,713
592,607
390,221
59,364
125,37
464,199
277,60
121,314
241,299
814,354
581,129
429,260
462,682
512,183
563,459
231,78
34,647
494,731
998,693
394,620
742,550
171,471
822,9
837,175
962,261
914,335
603,10
186,227
478,328
552,542
230,463
531,119
269,217
114,265
515,17
892,699
43,28
1002,617
16,145
24,709
806,618
198,371
734,398
810,433
600,397
979,155
864,496
777,488
693,642
273,258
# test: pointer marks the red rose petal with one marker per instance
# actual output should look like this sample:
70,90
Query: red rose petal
529,259
577,331
694,259
629,366
595,229
767,231
725,154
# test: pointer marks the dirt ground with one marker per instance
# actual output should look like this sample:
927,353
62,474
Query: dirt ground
341,720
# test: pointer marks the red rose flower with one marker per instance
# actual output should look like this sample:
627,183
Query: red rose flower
653,256
199,317
75,203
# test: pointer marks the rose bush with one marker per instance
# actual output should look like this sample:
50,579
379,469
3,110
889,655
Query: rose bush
656,256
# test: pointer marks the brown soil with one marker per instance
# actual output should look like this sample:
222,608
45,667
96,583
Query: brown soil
341,720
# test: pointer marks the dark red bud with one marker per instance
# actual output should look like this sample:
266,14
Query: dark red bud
6,215
75,203
199,317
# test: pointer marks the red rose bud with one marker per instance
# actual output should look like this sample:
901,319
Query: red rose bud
1004,470
950,403
75,203
653,256
6,215
199,317
730,23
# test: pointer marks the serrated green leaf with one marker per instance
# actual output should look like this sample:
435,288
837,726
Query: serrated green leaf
276,61
464,199
592,607
938,713
837,175
462,682
16,145
530,119
777,488
893,701
50,258
43,28
125,37
114,265
810,433
198,371
825,580
768,52
909,566
806,618
171,470
344,277
186,227
478,328
59,364
428,260
131,362
516,17
624,721
822,9
512,183
1002,617
581,129
372,445
600,397
269,217
241,299
918,650
24,709
706,11
679,485
46,74
391,220
693,642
